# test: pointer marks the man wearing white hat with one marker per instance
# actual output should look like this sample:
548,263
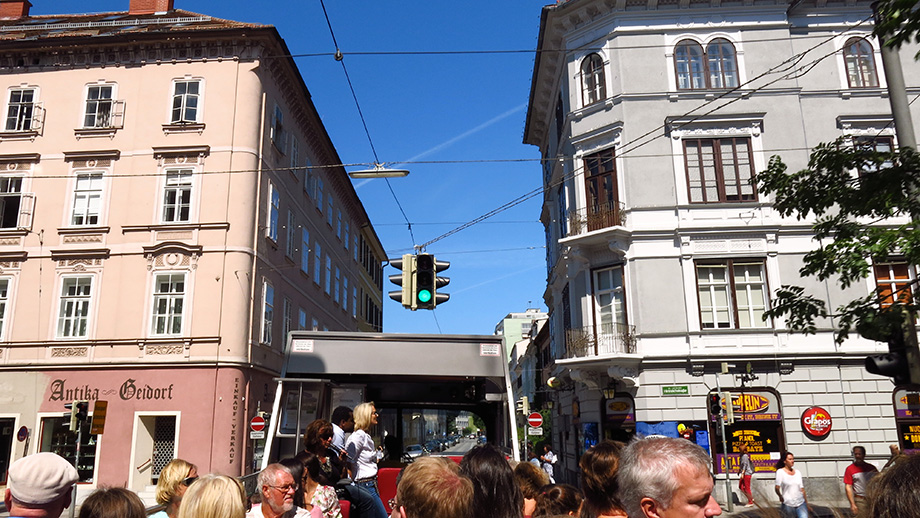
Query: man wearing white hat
39,485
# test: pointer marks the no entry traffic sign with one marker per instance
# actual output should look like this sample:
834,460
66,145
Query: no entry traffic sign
535,419
257,424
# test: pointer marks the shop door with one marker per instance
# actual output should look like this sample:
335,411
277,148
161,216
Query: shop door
154,447
6,445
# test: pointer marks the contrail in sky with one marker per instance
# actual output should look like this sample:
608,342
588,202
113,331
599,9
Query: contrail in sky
454,140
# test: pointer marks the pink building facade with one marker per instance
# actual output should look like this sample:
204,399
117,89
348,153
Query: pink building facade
170,206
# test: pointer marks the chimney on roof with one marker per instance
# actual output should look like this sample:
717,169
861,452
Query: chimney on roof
14,9
149,6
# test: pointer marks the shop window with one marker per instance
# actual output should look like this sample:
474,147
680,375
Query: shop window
56,437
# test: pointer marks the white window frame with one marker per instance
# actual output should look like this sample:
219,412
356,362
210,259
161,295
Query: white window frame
290,244
268,313
726,126
337,287
671,41
302,319
103,118
278,134
183,101
176,182
732,290
7,183
84,195
170,297
274,212
305,250
22,123
839,44
74,308
287,318
317,263
328,285
6,289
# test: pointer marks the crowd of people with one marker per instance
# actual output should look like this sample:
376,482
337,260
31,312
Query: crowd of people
650,477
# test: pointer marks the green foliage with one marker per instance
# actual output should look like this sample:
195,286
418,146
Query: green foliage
864,207
898,22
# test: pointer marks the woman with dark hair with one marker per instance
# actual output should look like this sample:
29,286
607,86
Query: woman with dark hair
558,500
317,440
295,466
790,488
112,502
599,466
530,479
494,487
315,494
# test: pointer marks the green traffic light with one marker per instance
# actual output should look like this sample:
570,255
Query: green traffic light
424,296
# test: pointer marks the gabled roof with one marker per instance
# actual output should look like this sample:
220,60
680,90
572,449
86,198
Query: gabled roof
101,25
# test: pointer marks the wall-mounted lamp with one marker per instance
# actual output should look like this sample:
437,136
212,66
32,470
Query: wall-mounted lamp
609,393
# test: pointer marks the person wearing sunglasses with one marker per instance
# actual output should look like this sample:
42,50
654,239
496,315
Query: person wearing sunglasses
175,478
362,455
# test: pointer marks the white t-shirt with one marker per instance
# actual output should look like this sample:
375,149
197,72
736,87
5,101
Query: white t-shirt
362,454
790,486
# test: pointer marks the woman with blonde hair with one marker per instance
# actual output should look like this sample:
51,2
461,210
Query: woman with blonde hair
214,496
175,479
362,454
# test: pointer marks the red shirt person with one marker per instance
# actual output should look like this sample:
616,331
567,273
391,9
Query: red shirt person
856,479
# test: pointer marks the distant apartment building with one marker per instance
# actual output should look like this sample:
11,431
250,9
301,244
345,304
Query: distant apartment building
516,326
170,207
652,117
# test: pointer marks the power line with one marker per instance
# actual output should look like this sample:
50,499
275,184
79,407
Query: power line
340,58
785,65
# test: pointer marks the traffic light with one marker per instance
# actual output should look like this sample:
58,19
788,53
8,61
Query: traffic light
715,404
523,405
79,410
729,409
902,363
406,279
427,281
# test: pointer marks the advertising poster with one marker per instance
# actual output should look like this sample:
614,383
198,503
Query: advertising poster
758,423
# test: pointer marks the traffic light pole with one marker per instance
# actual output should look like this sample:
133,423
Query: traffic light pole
728,483
76,465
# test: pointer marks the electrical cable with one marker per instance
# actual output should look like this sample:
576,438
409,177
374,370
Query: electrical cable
341,59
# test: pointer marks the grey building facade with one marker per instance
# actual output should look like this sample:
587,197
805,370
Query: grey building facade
652,118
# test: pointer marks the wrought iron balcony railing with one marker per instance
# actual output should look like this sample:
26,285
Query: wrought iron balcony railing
587,219
602,340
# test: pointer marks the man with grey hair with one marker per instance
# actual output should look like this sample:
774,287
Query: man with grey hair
277,487
663,477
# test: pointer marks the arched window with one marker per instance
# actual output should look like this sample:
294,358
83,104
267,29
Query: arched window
860,63
593,84
723,70
691,68
696,70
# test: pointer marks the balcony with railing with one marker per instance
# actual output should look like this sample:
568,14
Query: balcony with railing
589,219
602,340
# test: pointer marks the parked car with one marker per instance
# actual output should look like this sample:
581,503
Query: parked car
415,451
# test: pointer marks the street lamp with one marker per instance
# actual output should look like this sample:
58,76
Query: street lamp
379,171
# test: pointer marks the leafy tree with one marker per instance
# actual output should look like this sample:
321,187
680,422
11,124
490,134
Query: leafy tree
865,205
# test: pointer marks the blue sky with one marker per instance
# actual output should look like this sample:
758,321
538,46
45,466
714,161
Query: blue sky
466,108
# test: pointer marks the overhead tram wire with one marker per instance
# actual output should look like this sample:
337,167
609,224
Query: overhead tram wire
783,66
341,59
